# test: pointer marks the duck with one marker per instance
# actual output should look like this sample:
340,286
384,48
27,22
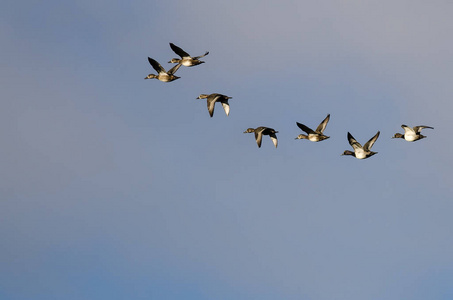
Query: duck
359,151
213,98
162,75
314,135
262,130
411,134
186,60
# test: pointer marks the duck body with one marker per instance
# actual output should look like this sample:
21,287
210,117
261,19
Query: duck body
162,75
186,60
262,130
213,98
314,135
412,134
361,152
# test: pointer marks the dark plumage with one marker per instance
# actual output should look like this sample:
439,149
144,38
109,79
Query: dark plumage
212,99
260,131
411,134
314,135
359,151
186,60
162,75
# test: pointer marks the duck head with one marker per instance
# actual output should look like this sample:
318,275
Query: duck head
302,137
347,152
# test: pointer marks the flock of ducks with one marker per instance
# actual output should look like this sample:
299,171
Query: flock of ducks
411,134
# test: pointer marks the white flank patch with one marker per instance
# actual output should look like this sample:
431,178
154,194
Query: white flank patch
359,153
410,136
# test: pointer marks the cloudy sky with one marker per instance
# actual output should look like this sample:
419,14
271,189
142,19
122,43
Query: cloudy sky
116,187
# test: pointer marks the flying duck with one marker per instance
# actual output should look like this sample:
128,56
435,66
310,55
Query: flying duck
411,134
359,151
212,99
316,135
162,75
186,60
260,131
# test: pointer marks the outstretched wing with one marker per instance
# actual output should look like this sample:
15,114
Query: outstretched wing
371,142
226,107
197,57
305,128
323,124
211,104
419,128
258,137
408,129
353,142
274,139
179,51
174,69
156,65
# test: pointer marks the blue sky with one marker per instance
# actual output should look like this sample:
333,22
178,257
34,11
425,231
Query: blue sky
115,187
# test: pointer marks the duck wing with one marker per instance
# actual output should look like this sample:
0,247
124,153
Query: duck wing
258,137
353,142
211,104
308,130
408,129
273,137
174,69
419,128
371,142
197,57
156,65
323,124
226,106
179,51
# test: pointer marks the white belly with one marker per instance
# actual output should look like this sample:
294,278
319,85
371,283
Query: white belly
187,62
360,154
313,137
410,137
